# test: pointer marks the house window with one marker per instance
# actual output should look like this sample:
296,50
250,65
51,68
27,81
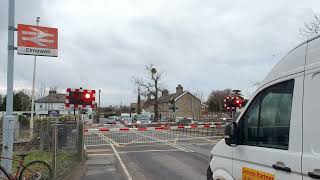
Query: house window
40,106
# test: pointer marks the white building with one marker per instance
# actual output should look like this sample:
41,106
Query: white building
54,103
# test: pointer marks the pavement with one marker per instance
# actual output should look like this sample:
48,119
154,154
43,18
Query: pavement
186,159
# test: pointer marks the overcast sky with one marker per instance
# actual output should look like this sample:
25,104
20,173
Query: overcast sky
201,44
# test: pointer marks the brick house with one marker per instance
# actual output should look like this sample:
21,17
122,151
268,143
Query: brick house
134,106
188,105
204,110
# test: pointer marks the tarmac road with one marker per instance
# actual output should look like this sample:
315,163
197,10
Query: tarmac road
181,160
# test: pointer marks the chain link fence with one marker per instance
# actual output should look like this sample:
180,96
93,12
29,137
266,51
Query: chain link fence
60,144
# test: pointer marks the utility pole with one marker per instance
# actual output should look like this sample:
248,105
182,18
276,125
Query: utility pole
33,84
8,121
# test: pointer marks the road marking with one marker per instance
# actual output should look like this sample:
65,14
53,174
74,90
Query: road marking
108,139
176,139
143,145
168,143
120,161
178,147
97,150
97,145
142,151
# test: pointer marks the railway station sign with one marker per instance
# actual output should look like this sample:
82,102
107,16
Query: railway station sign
37,40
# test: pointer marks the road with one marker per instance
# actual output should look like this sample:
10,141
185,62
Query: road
182,159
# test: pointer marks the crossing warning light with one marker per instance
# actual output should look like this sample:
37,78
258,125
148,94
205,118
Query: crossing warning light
87,95
233,102
82,98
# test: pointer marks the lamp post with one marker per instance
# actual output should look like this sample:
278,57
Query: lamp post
33,84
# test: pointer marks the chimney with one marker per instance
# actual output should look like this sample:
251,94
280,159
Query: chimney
179,89
165,92
52,91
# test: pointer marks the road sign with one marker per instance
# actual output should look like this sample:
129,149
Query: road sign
37,40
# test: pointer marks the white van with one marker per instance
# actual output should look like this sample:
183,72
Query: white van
277,136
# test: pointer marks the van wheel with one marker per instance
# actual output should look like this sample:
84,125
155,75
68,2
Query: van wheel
209,173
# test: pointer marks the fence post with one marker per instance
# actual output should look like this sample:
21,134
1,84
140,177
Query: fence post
54,153
80,138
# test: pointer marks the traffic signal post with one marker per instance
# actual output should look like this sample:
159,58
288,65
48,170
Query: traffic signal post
173,107
79,98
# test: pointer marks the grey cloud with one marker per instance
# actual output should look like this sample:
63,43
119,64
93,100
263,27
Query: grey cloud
203,45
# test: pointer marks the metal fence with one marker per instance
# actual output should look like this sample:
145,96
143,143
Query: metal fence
60,144
176,136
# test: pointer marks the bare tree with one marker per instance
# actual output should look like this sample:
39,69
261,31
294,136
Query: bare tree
216,98
41,91
138,91
311,28
151,86
200,95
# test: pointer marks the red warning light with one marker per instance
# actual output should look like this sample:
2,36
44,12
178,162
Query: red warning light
87,96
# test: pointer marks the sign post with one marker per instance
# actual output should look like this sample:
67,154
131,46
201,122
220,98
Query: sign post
32,40
8,121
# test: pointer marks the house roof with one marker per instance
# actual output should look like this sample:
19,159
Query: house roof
164,99
52,98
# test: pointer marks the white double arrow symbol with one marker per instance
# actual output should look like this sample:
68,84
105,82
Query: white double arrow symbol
37,36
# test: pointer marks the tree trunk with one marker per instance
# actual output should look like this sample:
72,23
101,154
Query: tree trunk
156,112
139,104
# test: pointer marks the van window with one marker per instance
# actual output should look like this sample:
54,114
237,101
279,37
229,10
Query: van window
267,120
251,119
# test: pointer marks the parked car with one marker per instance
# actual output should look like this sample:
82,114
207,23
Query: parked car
126,120
107,121
110,120
142,120
185,122
276,135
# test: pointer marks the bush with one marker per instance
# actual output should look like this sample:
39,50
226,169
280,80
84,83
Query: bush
23,120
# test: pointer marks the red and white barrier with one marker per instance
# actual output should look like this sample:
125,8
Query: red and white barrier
192,126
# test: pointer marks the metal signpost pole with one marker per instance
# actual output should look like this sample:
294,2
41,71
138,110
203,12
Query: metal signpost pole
8,121
99,107
33,83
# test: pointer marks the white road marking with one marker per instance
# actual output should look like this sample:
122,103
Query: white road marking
97,145
167,143
178,147
108,139
120,161
142,145
141,151
97,150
